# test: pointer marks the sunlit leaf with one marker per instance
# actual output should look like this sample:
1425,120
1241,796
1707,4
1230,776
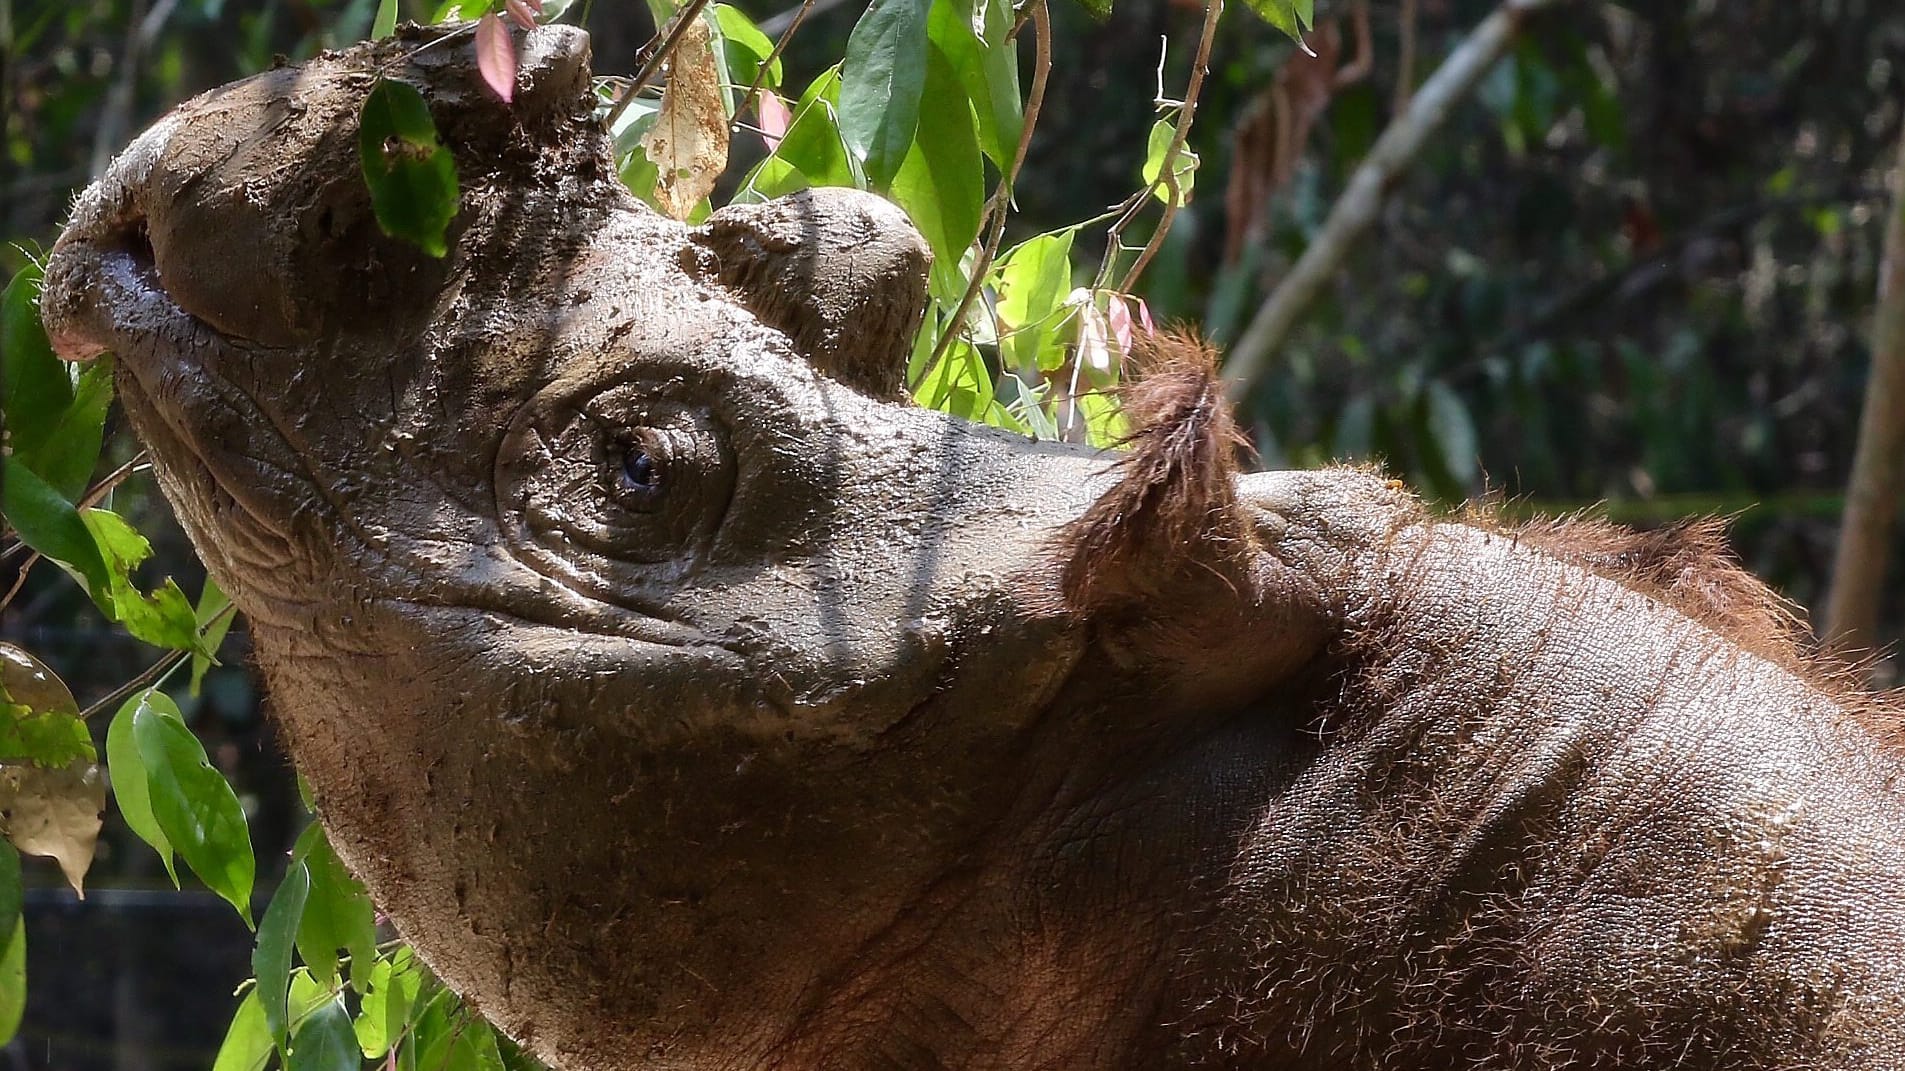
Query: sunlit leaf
941,184
163,618
39,721
688,143
747,49
1034,278
128,771
271,957
54,812
960,384
48,523
196,807
881,79
412,179
988,70
338,914
248,1042
1183,169
813,152
391,991
386,20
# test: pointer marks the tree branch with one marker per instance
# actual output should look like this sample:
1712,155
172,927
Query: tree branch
1878,464
1357,209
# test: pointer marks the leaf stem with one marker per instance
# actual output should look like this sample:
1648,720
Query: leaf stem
157,671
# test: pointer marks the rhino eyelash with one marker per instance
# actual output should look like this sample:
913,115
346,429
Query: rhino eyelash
640,468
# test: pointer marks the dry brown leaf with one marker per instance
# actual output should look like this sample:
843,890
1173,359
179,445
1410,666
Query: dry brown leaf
689,142
55,813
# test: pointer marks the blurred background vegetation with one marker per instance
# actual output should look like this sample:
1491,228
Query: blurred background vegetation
1635,273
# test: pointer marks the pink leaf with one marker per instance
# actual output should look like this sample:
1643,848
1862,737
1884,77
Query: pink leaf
1144,317
1119,314
496,56
775,118
523,12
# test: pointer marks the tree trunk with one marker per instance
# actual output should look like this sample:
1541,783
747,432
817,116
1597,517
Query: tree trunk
1356,210
1878,465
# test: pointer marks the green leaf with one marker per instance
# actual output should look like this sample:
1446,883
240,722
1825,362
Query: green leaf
67,456
35,387
386,20
412,177
39,721
960,384
48,523
248,1041
128,772
452,1039
1034,278
196,807
813,152
1293,17
1184,165
338,915
392,990
324,1041
213,623
271,958
13,982
163,618
881,80
460,10
941,183
748,47
988,69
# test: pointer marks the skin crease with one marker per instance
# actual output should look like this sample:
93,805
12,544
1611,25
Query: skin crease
792,763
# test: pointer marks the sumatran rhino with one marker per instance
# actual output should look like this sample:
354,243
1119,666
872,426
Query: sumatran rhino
693,701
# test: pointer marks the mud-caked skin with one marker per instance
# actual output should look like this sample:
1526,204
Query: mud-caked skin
691,701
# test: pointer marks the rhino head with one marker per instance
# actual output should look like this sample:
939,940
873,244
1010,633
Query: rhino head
671,681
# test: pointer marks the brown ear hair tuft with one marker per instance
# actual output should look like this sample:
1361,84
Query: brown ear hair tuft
1175,500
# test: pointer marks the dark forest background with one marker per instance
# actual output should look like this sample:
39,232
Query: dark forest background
1634,274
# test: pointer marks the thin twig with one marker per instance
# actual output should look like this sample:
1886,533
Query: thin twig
998,208
780,45
655,59
19,581
1185,116
157,671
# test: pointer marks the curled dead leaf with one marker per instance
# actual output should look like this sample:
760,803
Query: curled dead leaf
54,812
689,142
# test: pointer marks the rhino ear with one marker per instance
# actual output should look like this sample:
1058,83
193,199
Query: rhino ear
842,273
1166,569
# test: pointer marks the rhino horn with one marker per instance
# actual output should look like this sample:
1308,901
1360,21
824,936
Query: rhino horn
842,273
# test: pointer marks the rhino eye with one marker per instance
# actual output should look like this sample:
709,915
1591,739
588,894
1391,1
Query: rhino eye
638,480
632,477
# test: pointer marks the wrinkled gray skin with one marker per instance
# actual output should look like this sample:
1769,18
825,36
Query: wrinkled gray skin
778,767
